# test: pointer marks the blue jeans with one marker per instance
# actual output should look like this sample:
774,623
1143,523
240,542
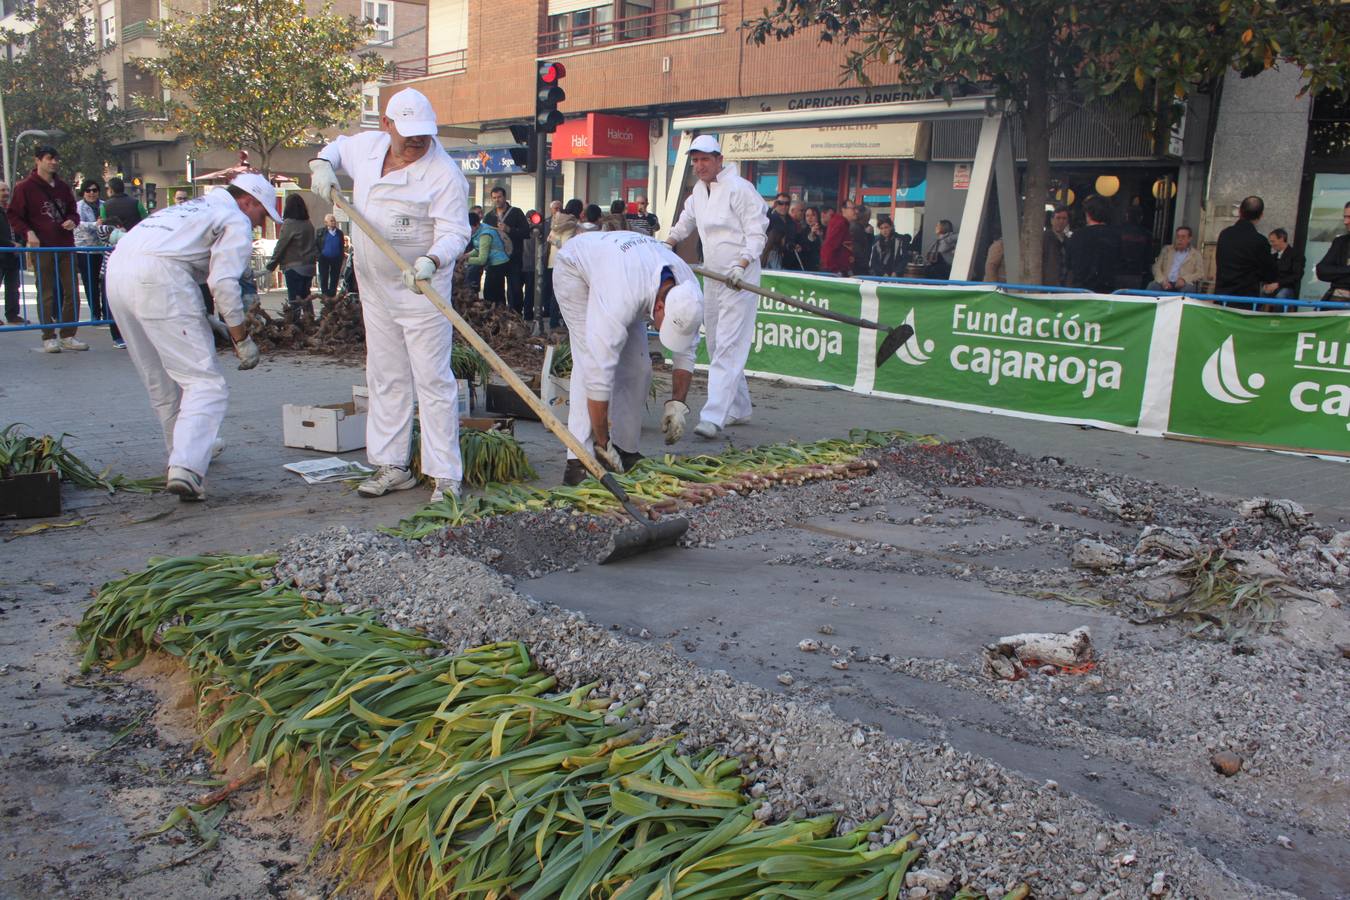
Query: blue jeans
297,286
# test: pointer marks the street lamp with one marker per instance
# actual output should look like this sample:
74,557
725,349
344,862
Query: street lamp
54,134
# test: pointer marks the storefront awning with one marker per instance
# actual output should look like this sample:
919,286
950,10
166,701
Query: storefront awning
601,136
861,140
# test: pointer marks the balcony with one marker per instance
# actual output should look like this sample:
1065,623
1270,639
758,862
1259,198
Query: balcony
575,31
449,63
137,30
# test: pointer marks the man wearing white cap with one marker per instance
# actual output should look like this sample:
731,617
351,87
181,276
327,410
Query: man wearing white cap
608,286
731,220
405,183
153,279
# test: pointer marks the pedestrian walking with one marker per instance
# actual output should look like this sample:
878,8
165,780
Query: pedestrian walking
153,278
403,180
730,219
295,254
609,285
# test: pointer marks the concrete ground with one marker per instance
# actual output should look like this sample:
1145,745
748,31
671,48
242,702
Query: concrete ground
67,831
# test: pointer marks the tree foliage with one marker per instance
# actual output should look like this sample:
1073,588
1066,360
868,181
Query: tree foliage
261,75
55,80
1047,56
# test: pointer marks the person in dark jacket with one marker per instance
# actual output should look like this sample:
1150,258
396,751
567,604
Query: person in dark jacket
1094,250
1242,259
127,210
1335,265
1136,251
514,226
294,254
9,264
1289,266
330,250
809,237
887,257
1055,249
861,233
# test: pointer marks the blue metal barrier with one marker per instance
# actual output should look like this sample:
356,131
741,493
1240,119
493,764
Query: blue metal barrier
25,284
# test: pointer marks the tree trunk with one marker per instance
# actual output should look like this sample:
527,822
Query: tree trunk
1036,184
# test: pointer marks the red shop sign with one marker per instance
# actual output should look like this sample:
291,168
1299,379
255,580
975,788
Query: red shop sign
600,136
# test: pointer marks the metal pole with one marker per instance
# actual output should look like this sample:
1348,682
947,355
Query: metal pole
4,142
540,172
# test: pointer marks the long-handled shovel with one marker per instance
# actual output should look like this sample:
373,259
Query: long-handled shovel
895,337
626,542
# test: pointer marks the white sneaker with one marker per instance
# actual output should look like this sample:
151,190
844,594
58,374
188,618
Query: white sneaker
386,479
738,420
706,429
186,483
217,448
445,486
51,345
70,343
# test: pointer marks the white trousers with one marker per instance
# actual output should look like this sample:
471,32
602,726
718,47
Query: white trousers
408,354
632,378
728,329
160,313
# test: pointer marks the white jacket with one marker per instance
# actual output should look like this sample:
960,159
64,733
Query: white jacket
622,270
208,239
422,209
730,217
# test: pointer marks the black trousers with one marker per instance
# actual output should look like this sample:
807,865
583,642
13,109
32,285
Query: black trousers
515,287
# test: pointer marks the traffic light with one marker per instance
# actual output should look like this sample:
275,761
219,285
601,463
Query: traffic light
150,194
548,94
524,157
536,218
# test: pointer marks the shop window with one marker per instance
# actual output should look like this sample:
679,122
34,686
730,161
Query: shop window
1329,130
380,13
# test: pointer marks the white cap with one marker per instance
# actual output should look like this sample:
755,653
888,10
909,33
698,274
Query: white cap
684,315
411,113
262,191
705,143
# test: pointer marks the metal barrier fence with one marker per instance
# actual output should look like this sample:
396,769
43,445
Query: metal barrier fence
45,285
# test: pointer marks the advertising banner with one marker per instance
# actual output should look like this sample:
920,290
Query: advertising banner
1076,359
1274,380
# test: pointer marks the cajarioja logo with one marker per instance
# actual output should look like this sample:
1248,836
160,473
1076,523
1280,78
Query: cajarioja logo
1221,379
910,352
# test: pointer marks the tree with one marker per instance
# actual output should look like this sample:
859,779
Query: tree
261,75
1048,57
54,80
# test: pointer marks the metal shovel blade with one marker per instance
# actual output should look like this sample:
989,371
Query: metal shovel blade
895,339
636,539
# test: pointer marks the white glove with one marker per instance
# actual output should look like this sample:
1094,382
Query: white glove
734,276
247,351
422,270
324,180
608,456
672,422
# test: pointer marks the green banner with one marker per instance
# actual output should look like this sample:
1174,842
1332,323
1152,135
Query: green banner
1269,379
1078,359
796,344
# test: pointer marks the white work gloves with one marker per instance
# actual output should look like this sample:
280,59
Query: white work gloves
324,180
734,276
608,456
247,351
672,421
422,270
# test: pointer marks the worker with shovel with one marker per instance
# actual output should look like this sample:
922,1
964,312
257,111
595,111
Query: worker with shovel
609,285
153,278
416,196
729,215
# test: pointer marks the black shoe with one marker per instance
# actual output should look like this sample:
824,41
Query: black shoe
629,459
575,473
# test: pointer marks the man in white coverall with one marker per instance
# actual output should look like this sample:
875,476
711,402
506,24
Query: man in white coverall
153,279
405,183
731,220
608,286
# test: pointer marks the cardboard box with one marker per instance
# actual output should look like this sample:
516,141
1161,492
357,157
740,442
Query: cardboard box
334,428
503,401
35,496
361,397
469,398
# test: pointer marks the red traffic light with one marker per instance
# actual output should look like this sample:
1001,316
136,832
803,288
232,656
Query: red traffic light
549,73
536,218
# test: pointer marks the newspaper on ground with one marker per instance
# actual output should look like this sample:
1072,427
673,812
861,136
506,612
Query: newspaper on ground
330,468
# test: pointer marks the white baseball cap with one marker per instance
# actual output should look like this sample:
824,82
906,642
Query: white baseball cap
411,113
684,315
705,143
262,191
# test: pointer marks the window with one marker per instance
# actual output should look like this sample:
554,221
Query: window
370,106
107,16
112,101
381,14
582,27
693,15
